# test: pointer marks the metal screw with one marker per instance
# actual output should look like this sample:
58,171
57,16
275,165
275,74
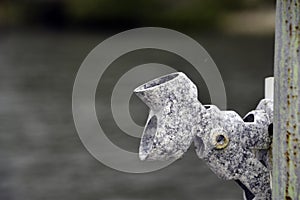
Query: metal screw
220,140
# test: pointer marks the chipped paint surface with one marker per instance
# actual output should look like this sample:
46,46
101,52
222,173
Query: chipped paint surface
286,141
233,148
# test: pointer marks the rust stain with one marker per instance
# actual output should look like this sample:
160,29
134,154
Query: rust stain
288,76
287,184
287,156
292,116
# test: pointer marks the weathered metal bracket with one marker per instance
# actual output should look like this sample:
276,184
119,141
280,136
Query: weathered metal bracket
233,148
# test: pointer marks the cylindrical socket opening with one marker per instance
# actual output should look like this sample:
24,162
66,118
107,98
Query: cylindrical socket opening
199,146
156,82
147,140
173,87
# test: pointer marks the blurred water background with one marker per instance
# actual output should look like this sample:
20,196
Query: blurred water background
43,43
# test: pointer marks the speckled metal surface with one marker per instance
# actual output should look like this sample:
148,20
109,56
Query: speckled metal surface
238,160
233,148
174,109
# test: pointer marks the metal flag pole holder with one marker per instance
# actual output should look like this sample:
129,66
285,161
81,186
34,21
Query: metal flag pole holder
265,161
234,148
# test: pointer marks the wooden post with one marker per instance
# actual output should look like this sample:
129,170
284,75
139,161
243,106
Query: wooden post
286,139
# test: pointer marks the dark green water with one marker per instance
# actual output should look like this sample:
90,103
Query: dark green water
41,155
